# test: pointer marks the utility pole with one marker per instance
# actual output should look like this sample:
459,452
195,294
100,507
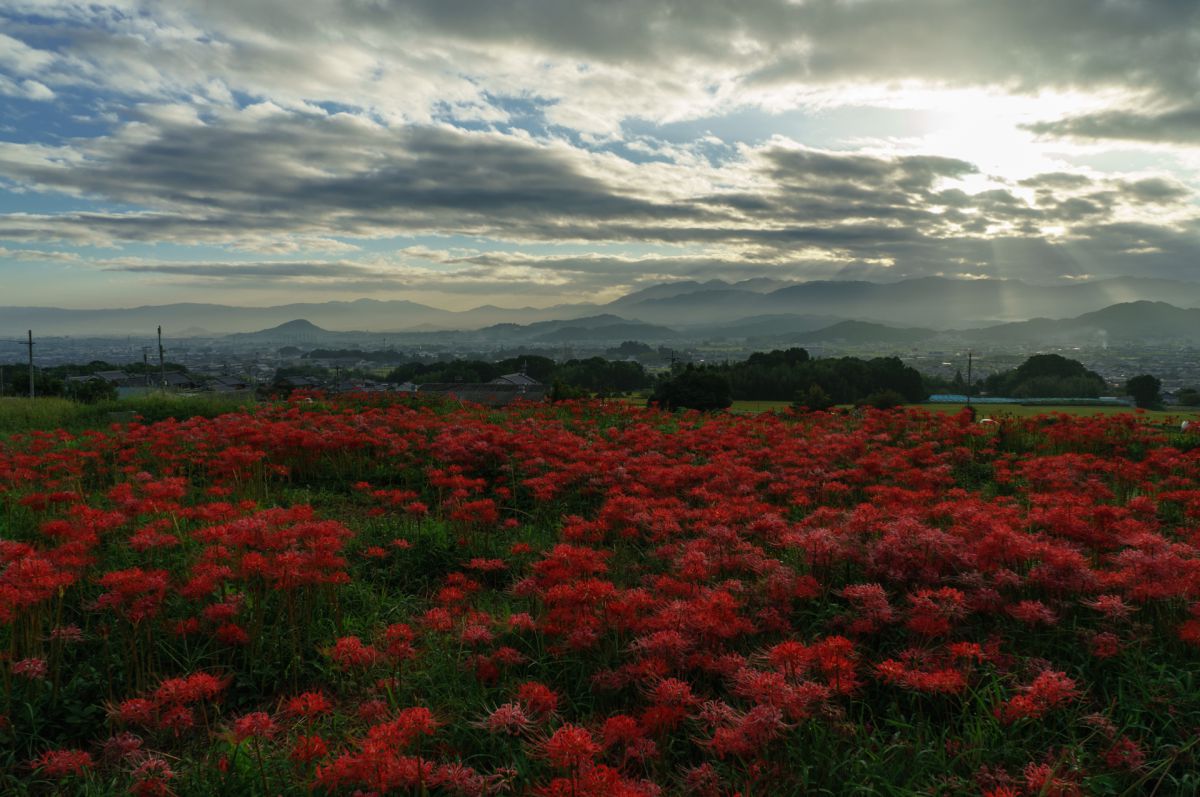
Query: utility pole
970,356
146,365
162,367
29,343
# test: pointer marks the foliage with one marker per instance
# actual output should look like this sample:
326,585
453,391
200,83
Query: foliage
1046,376
693,388
1145,390
1189,397
782,374
560,391
631,348
594,374
53,380
813,398
884,400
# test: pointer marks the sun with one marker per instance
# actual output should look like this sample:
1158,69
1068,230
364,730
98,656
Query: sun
990,130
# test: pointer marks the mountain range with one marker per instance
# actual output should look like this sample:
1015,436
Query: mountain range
688,309
1128,322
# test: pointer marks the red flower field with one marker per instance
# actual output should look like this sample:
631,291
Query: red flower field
376,597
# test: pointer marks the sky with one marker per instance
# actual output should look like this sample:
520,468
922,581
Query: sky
534,152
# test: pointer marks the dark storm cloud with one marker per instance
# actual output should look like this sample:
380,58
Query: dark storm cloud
310,174
1030,43
1178,126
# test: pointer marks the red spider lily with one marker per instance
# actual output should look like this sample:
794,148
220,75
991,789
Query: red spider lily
508,719
62,763
151,778
570,748
307,705
351,653
693,568
134,593
172,705
539,699
1125,754
256,725
308,749
1049,690
1045,779
1033,613
32,669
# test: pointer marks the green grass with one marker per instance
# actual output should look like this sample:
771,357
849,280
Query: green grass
48,413
759,406
23,414
1028,410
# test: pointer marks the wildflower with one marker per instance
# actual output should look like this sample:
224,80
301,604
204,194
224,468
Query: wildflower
1033,613
62,763
307,705
350,653
371,710
151,778
1125,754
232,634
538,698
256,725
33,669
508,719
1049,690
1105,645
1111,606
570,748
67,634
308,749
124,747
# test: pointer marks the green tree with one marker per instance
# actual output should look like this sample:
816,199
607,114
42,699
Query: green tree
814,399
92,391
560,391
1047,376
884,399
1189,397
1145,390
695,389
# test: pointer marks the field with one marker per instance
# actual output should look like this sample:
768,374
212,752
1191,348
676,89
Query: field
984,410
49,413
369,596
1028,410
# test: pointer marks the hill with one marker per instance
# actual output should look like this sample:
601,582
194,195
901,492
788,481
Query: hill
1128,322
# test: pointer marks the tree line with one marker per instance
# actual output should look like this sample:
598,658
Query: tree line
791,375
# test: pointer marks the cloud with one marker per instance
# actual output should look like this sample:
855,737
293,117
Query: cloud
596,64
270,180
301,136
1178,126
35,255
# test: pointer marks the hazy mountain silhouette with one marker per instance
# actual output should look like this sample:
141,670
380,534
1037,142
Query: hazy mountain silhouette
1128,322
711,306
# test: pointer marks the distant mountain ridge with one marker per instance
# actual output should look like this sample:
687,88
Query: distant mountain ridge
1119,323
714,306
1141,321
933,302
